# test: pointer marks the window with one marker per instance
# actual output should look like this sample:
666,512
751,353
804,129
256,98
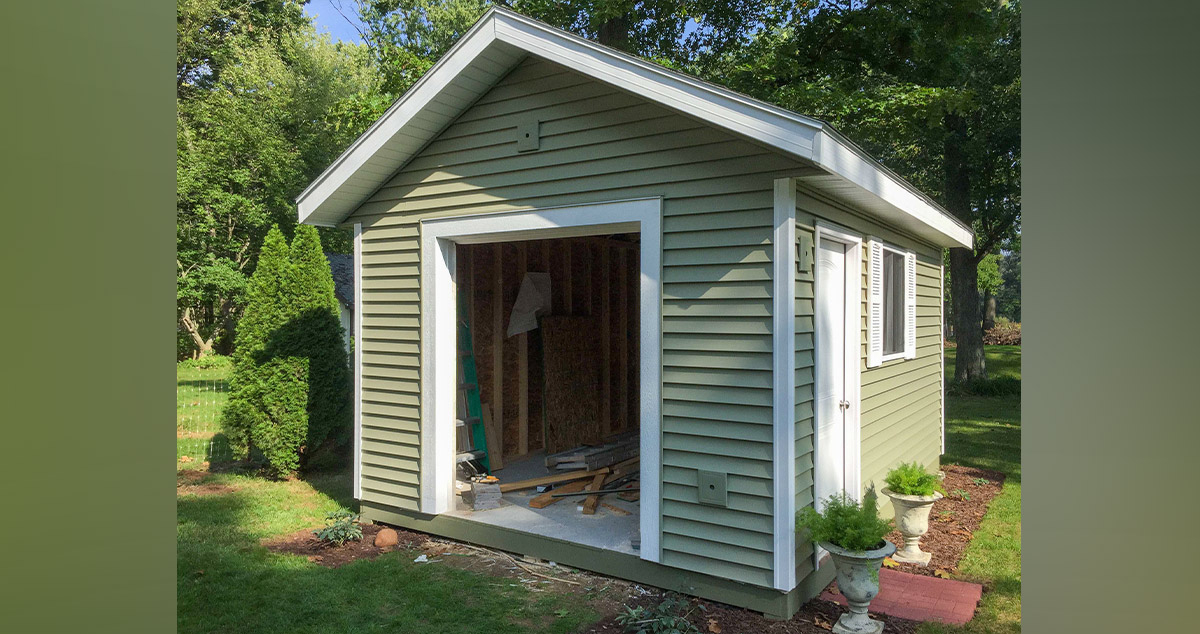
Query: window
893,302
892,310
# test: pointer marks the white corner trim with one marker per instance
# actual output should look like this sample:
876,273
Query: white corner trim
942,349
784,383
357,360
439,238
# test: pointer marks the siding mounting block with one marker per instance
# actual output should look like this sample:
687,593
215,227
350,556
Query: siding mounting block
711,487
527,135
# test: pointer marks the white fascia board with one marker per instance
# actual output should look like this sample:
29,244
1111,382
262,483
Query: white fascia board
309,203
837,156
776,127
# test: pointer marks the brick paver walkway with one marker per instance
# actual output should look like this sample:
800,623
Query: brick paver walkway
920,598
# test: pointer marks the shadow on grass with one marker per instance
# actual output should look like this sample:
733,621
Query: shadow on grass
228,582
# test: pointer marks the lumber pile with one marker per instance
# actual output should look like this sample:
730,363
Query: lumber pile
592,485
596,456
613,475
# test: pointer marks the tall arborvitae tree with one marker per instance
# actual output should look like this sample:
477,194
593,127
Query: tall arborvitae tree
259,410
315,333
291,382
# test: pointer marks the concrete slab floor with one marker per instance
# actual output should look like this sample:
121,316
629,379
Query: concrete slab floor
561,520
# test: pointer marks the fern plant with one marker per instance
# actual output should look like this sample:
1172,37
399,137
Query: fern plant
340,527
911,478
667,617
846,523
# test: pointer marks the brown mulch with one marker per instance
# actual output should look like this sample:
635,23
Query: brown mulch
814,617
191,482
953,520
306,544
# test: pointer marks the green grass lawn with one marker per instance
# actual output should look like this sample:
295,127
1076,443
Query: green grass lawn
200,395
228,582
986,432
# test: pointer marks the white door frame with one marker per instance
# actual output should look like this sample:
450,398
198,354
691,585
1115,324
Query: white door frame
439,238
853,309
852,448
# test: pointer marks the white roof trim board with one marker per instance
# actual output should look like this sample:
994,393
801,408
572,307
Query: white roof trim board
501,39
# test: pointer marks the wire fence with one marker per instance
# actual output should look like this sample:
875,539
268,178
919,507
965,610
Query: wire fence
200,395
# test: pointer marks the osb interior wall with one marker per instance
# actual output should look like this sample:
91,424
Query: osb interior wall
593,277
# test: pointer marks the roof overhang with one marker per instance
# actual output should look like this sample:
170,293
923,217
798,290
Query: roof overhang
501,39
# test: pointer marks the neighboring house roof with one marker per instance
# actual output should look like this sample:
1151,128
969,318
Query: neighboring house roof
501,39
342,267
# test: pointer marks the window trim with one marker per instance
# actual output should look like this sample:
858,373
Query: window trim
903,352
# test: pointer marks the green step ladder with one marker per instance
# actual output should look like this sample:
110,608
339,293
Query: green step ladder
469,388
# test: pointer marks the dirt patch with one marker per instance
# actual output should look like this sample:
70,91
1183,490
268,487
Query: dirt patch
954,519
306,544
193,482
195,434
814,617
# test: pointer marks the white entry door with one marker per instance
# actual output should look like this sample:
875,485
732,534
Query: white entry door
831,443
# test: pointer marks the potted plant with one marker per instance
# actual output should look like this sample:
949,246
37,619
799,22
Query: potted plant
853,535
913,491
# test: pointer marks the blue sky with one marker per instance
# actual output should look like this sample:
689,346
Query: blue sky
328,20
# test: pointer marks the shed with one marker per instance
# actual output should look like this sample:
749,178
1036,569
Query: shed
737,288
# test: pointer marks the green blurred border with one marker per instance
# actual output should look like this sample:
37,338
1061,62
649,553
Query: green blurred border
88,172
1110,429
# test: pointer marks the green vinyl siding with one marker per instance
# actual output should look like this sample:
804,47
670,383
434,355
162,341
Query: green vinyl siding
804,389
599,144
901,400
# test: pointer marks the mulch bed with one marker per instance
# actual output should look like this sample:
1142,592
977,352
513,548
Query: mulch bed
814,617
947,539
953,520
306,544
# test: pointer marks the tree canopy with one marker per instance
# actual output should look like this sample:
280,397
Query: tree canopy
930,87
257,97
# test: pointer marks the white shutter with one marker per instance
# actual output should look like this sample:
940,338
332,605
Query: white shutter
874,303
910,305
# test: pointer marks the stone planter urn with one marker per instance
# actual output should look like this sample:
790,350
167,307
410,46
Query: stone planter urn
912,519
858,581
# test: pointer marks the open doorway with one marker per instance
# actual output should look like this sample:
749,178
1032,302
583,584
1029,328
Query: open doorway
549,334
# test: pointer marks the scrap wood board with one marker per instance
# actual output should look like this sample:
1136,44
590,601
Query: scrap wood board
547,498
551,479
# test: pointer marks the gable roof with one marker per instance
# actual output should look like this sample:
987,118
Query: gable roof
501,39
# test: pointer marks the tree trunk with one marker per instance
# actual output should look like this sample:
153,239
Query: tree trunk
615,33
203,346
989,311
964,267
964,292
